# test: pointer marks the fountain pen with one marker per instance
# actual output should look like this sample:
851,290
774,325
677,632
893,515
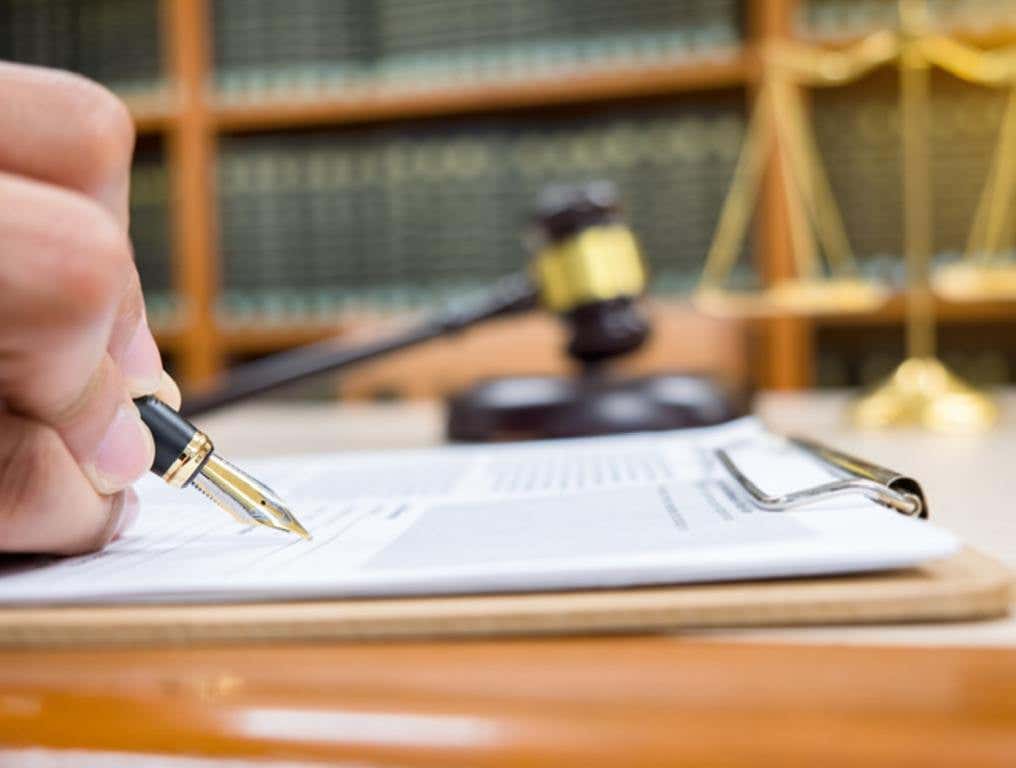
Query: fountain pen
184,455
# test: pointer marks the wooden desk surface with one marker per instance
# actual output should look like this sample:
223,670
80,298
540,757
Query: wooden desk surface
578,702
730,699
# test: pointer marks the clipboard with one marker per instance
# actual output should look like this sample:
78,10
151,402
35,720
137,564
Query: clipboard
857,477
967,586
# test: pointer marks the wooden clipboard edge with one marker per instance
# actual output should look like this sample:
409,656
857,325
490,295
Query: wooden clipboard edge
967,586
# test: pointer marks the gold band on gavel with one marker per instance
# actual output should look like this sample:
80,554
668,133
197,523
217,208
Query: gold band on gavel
598,263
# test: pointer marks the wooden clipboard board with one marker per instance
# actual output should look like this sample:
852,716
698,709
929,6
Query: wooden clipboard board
965,587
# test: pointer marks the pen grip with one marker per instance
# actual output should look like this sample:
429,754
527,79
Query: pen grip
174,436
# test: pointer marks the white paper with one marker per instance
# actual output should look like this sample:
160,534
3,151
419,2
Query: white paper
631,510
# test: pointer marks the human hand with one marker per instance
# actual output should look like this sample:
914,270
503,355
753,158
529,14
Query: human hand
74,341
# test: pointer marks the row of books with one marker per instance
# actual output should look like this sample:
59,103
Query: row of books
848,18
312,46
309,46
397,218
113,41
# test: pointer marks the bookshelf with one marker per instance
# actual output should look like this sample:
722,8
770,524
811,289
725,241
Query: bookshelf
153,114
191,117
725,69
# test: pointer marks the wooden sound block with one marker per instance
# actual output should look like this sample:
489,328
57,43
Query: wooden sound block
546,407
966,586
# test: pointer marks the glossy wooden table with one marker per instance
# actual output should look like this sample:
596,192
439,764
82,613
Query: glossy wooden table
781,698
631,701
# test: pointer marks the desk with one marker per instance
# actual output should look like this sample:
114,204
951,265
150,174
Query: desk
780,698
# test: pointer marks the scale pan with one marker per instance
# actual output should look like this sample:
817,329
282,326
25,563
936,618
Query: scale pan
837,296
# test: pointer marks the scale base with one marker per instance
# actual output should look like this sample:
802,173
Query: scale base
540,407
922,392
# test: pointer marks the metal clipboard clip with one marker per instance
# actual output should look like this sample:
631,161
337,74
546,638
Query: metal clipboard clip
879,484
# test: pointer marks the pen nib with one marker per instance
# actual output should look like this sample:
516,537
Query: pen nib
246,499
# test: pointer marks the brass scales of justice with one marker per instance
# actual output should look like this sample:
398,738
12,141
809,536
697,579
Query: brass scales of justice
922,391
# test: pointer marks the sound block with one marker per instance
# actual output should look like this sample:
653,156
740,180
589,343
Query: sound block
539,407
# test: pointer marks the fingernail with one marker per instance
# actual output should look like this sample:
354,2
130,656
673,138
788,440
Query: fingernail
125,452
168,392
128,513
141,364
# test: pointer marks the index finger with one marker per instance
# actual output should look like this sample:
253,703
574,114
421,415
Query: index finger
64,129
70,132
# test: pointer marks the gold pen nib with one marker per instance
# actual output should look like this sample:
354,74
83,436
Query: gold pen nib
246,499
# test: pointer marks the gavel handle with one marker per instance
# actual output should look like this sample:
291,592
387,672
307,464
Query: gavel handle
509,295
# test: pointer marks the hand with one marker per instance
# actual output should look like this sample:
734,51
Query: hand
74,341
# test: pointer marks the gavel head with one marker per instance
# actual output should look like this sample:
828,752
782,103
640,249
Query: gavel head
588,269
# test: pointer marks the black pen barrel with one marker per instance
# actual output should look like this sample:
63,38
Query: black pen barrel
181,449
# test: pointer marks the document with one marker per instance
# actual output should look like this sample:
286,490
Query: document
653,508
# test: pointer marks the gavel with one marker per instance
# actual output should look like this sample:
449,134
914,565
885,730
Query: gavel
585,267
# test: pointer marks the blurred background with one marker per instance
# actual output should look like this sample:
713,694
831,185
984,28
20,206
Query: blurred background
313,167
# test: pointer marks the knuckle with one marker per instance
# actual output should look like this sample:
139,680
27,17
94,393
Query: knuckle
132,309
78,402
93,272
105,130
105,243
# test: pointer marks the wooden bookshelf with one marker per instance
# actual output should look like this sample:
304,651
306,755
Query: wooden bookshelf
893,312
787,359
190,153
724,69
194,116
152,113
191,116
